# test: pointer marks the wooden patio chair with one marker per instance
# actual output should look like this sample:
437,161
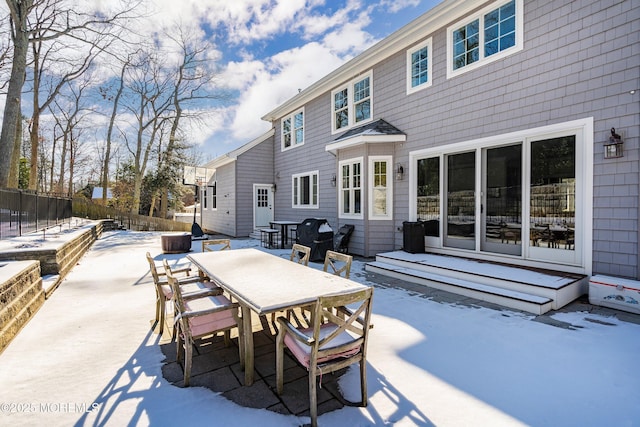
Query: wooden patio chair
216,245
201,316
300,254
163,290
338,263
330,344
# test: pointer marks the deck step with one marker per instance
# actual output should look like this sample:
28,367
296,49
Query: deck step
505,297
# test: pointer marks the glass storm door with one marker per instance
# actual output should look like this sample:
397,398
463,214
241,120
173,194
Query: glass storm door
501,213
460,206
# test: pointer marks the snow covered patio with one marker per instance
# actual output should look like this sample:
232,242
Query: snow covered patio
89,357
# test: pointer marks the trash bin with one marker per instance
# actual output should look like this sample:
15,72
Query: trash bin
413,237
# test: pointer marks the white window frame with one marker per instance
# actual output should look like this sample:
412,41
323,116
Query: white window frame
426,44
389,187
294,141
351,104
296,194
483,60
350,163
214,196
204,204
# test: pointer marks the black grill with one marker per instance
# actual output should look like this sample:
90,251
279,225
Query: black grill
309,234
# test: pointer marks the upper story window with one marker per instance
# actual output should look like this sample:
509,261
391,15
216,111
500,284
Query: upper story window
351,104
351,188
293,130
493,33
380,188
419,67
304,190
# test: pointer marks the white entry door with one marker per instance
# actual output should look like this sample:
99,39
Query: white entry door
262,205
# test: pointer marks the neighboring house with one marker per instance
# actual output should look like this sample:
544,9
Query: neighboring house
488,120
97,193
239,197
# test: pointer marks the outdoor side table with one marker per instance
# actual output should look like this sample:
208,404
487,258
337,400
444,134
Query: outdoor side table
175,243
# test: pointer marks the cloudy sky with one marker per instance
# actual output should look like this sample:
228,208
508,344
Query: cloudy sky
269,49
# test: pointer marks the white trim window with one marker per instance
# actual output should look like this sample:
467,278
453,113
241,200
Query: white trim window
214,196
203,197
292,132
491,34
380,188
350,199
419,67
352,103
304,190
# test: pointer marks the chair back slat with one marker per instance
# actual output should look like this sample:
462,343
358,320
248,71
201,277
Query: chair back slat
300,254
357,322
216,245
338,263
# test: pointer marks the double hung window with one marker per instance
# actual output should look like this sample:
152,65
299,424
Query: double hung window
293,130
419,67
380,188
352,104
305,190
351,188
493,33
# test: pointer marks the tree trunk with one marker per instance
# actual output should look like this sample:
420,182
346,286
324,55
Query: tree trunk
12,114
14,173
107,152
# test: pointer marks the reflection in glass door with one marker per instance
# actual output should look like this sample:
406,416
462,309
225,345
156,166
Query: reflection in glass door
502,200
553,194
460,204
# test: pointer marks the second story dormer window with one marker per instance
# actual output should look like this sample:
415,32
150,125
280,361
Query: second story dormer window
351,103
493,33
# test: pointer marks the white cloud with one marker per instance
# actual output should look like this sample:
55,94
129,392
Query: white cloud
397,5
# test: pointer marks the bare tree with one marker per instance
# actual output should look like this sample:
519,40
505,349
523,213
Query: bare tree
114,112
40,21
194,82
148,85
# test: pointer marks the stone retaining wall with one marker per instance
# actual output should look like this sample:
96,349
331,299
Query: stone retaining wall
21,272
20,297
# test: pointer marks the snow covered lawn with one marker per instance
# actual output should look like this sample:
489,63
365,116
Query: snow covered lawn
88,357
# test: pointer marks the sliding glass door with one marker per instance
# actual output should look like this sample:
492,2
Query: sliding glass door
502,200
460,205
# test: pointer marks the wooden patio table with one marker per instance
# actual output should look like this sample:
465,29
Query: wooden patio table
265,283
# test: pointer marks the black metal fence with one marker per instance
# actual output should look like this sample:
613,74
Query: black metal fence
23,211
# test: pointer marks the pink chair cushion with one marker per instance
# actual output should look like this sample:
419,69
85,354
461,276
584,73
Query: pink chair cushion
302,352
202,325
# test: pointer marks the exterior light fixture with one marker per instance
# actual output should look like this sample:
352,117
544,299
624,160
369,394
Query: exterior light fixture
399,172
333,180
613,147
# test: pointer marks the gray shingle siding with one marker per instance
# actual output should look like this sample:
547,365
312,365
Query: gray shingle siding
580,59
252,167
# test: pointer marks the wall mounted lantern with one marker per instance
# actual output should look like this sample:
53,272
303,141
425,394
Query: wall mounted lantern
613,147
399,172
333,180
